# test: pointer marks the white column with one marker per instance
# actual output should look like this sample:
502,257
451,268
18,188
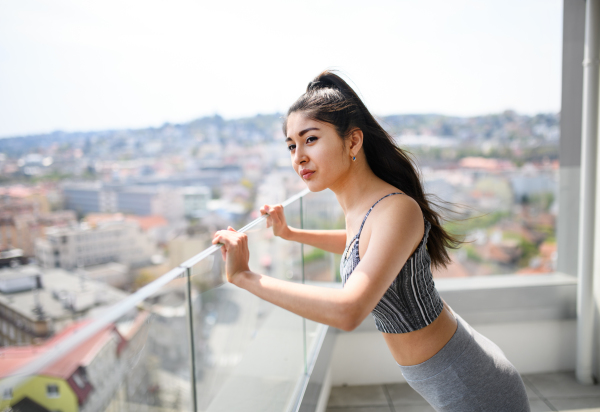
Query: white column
587,215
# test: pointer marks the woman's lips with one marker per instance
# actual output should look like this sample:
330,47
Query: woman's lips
306,174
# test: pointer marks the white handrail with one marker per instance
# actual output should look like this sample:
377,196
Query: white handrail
194,260
62,348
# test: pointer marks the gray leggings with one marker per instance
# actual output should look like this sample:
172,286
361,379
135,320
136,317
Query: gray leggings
469,374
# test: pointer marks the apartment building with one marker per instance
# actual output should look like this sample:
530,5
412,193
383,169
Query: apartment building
35,197
156,227
141,200
88,379
23,220
36,303
86,245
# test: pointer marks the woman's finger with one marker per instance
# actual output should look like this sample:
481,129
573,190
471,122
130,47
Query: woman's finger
217,240
220,238
227,237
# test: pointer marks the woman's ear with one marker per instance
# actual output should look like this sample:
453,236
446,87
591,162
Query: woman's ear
355,141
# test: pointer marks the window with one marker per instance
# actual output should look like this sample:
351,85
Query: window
79,380
52,391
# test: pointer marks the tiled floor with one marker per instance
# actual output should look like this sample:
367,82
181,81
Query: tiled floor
546,391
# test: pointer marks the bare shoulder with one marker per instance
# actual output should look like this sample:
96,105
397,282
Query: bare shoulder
395,215
397,208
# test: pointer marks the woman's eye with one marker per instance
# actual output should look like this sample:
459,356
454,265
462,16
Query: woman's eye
311,139
291,147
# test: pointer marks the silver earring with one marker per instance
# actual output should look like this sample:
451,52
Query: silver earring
354,159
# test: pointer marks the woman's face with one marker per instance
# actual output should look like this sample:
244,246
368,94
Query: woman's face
318,153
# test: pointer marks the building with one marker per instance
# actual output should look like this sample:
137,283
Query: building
88,379
141,200
36,304
156,227
12,258
139,378
29,227
63,386
23,219
88,197
113,273
18,194
86,245
195,200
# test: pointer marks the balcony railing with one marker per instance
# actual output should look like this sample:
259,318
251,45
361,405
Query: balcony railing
186,341
190,341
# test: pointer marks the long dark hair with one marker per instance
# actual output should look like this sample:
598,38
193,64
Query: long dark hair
328,98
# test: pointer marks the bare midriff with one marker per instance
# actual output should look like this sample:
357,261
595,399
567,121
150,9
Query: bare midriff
416,347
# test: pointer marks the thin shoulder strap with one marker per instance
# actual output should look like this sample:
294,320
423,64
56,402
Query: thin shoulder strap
367,215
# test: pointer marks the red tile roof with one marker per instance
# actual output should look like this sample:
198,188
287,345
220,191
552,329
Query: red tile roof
149,222
12,358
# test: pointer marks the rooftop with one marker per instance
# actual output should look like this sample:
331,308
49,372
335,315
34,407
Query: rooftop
145,222
62,290
11,358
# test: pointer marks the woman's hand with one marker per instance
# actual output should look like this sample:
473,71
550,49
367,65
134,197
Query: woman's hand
276,219
234,251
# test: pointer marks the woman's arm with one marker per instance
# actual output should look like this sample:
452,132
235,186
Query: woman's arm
396,226
329,240
332,307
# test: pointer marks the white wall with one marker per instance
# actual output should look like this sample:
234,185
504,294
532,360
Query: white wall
531,318
362,358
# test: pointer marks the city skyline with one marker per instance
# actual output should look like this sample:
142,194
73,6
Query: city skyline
79,67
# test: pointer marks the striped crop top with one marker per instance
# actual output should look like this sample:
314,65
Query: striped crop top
412,301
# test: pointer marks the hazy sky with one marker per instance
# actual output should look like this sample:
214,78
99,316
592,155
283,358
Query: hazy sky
91,65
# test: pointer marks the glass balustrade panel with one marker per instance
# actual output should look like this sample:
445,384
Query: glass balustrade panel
247,351
154,363
244,348
321,211
138,362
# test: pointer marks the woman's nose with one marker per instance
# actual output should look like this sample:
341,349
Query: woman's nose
300,157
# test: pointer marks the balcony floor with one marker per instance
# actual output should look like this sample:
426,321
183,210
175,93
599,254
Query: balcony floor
547,392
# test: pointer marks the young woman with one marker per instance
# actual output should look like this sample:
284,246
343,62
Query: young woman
393,236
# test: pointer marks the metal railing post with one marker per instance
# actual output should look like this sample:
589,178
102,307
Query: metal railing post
190,317
303,281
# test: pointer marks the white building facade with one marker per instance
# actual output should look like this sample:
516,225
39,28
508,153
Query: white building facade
80,246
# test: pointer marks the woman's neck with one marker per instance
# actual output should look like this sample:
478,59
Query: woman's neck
356,189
